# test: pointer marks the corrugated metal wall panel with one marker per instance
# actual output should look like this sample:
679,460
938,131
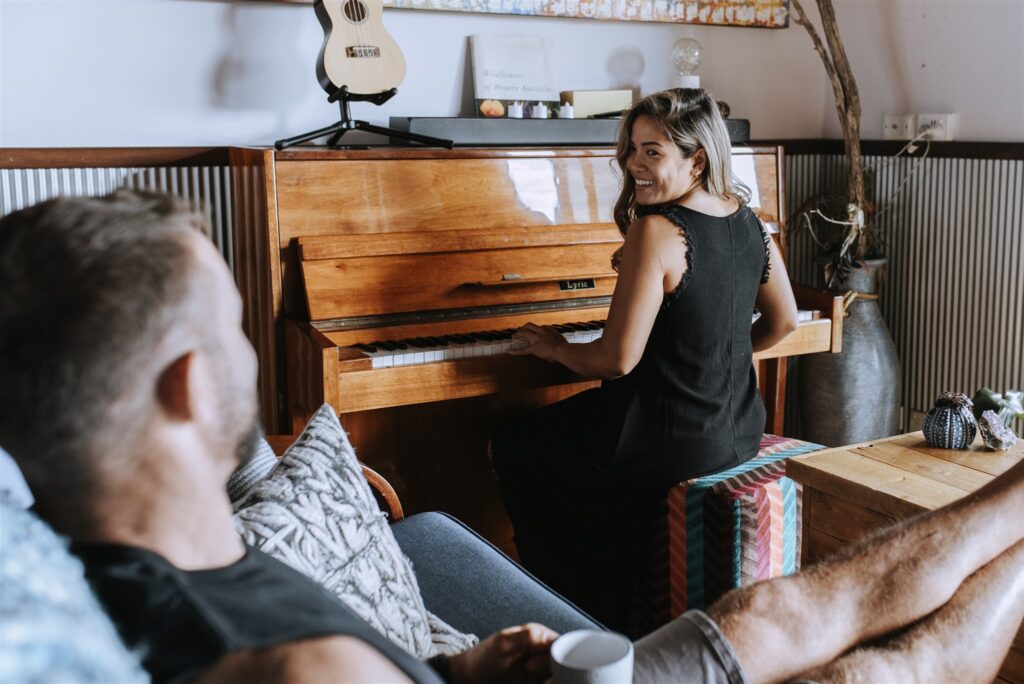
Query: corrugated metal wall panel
953,295
206,190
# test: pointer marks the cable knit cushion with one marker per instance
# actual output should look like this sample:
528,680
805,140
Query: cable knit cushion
316,513
258,467
51,627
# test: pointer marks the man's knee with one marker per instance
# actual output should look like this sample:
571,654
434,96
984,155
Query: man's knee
756,617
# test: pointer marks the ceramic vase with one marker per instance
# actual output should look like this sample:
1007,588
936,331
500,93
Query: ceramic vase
853,396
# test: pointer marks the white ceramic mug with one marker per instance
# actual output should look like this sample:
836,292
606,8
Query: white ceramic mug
589,656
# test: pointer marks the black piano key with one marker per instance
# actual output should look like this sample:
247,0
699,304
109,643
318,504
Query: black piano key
365,347
387,346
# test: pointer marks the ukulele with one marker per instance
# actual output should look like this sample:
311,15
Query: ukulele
357,51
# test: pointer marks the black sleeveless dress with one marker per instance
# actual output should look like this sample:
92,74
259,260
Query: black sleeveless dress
582,478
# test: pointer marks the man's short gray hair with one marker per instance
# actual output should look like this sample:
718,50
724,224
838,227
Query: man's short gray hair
88,286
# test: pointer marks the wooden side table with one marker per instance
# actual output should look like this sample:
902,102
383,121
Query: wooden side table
851,491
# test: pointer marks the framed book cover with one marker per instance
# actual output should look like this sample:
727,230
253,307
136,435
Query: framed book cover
511,72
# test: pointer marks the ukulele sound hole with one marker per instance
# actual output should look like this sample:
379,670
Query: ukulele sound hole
355,11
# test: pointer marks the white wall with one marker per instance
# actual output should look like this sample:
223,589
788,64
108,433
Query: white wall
937,56
196,72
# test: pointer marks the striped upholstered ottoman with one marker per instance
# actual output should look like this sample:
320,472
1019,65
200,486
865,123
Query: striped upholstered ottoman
725,531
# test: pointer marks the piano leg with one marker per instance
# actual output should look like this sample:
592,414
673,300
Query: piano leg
772,380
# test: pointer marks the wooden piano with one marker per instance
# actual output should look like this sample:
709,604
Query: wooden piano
387,283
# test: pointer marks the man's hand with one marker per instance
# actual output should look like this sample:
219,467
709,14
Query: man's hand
514,655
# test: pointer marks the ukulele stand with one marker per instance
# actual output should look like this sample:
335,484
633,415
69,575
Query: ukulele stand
343,97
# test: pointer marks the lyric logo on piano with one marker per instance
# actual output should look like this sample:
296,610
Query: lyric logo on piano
578,284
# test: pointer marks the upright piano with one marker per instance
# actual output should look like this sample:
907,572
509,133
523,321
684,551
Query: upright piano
387,283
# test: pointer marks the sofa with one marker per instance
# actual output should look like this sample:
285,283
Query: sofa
52,629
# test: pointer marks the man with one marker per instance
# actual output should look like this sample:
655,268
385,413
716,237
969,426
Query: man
127,393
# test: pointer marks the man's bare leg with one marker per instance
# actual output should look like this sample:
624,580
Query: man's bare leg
783,627
965,641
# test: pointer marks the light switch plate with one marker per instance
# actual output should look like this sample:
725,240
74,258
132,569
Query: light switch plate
898,127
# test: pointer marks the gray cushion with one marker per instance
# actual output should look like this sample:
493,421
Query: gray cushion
475,587
51,627
316,513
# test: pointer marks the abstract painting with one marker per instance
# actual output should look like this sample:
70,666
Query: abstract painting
761,13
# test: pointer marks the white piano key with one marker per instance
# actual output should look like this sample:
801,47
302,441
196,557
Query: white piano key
412,356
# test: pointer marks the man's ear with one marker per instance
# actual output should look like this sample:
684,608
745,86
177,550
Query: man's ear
175,388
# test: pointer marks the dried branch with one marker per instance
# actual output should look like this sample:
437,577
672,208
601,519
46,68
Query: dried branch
847,97
830,26
837,86
851,120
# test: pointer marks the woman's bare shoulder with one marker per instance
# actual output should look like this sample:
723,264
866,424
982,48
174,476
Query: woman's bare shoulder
653,227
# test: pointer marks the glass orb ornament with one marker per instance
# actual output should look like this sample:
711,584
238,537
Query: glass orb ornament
686,57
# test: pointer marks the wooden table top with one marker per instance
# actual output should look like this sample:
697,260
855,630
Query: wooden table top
902,475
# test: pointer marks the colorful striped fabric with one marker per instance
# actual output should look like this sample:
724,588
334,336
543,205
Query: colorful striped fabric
724,531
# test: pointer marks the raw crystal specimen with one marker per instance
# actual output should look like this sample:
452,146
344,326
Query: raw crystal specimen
995,433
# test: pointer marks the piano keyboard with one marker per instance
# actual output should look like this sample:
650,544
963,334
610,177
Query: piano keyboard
418,350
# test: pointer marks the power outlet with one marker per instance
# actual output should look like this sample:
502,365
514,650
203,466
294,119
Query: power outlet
940,126
898,127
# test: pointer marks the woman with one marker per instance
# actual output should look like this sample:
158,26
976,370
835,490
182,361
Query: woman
581,478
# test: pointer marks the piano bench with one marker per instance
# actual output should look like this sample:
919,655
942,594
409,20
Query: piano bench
724,531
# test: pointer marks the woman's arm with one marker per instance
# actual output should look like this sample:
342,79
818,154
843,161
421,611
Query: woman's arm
653,262
776,303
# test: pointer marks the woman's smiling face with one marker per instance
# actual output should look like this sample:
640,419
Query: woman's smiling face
660,171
